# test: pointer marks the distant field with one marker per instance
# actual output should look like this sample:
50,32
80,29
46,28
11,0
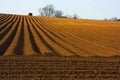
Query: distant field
33,35
59,68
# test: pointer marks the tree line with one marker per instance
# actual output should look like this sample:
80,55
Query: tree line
113,19
49,11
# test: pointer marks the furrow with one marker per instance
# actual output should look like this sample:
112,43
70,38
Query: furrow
38,41
10,19
58,47
28,35
28,49
32,36
92,48
15,47
4,25
3,17
62,33
44,39
61,42
7,28
6,41
64,40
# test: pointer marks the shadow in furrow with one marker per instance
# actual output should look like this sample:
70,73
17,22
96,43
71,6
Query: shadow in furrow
35,48
74,38
50,30
2,35
42,38
12,19
7,43
19,47
3,19
41,28
65,40
57,42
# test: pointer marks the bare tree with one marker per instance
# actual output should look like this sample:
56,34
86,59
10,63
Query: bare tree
47,11
58,13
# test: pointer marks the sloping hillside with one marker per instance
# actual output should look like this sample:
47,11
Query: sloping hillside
33,35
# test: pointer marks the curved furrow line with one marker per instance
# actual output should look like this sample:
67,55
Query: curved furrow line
93,46
3,19
61,41
28,35
45,40
6,41
28,48
58,45
8,19
85,45
58,41
63,38
54,31
4,25
7,28
68,40
16,46
38,41
53,27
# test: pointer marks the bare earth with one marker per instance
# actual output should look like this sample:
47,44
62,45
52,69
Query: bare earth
28,35
40,48
59,68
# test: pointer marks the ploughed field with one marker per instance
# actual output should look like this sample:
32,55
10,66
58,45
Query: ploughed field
35,48
33,35
59,68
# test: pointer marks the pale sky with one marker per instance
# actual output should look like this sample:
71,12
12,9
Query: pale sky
87,9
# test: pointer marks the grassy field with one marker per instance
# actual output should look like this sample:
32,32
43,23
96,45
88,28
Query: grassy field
59,68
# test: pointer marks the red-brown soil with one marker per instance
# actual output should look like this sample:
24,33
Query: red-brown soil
33,35
59,68
40,48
